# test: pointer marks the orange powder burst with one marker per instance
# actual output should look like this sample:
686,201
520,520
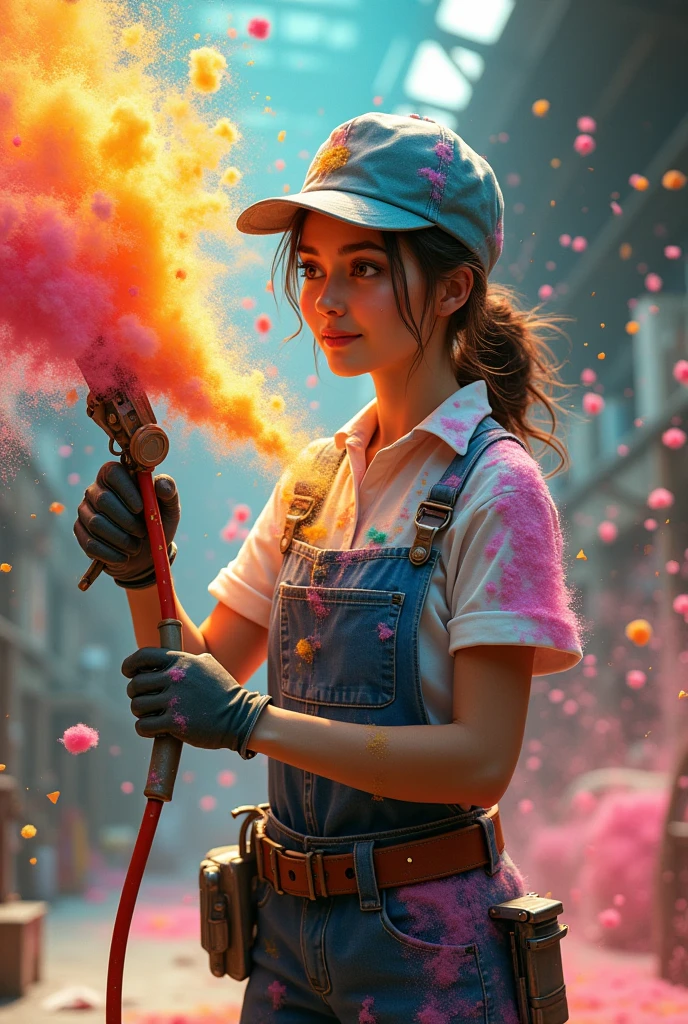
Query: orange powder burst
102,209
57,507
639,632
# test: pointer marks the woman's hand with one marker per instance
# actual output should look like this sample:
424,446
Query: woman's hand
192,697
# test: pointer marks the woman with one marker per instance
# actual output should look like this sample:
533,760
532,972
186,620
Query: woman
405,582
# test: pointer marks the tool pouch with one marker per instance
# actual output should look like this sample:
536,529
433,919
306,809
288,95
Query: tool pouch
228,878
535,938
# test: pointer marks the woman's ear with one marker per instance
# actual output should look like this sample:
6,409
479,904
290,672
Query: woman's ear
454,290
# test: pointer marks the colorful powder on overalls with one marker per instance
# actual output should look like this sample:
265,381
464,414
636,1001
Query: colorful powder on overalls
278,991
306,647
365,1014
103,206
317,604
384,631
376,536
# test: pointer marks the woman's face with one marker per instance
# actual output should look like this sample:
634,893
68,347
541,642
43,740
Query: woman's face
347,298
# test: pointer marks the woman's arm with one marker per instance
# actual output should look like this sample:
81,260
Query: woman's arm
470,760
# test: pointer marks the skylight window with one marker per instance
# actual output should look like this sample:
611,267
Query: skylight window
483,21
434,78
471,63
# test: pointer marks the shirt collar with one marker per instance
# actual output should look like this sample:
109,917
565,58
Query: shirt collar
453,421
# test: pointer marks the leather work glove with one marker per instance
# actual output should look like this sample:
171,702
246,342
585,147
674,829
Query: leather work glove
111,524
192,697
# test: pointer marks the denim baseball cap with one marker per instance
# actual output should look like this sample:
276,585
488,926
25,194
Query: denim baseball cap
395,173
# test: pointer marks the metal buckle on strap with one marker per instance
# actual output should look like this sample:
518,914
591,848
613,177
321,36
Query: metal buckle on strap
312,855
293,518
425,534
273,849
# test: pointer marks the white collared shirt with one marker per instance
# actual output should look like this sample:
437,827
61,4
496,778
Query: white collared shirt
499,578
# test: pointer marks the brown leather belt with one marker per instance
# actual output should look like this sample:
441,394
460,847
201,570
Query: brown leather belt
316,874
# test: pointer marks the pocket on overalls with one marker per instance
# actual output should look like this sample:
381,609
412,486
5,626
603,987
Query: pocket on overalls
338,646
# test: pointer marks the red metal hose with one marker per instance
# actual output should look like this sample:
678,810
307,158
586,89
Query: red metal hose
144,840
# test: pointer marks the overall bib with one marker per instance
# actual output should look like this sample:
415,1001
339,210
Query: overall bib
343,644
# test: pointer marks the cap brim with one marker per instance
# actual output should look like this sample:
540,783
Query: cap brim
270,216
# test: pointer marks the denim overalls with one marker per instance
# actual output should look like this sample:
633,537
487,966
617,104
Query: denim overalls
343,644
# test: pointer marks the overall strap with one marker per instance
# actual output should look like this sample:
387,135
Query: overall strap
438,507
309,496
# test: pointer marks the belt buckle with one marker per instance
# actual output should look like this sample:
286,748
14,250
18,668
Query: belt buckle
320,868
273,849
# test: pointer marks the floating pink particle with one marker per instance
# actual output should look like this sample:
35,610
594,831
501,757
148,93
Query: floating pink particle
513,180
593,403
102,206
79,738
242,513
243,533
650,524
229,531
280,164
263,323
586,124
584,144
226,778
259,28
133,291
127,787
673,567
622,450
579,244
525,806
680,371
556,696
660,498
616,208
654,283
207,803
73,479
533,763
680,604
565,240
314,405
64,451
16,141
588,377
607,532
584,801
545,291
609,918
247,302
312,380
115,750
639,182
635,679
570,706
673,252
674,437
590,659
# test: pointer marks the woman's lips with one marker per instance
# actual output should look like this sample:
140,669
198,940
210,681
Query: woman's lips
338,340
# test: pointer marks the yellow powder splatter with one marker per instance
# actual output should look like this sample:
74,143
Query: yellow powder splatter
315,532
639,632
5,567
277,403
582,555
227,131
232,176
29,831
206,67
53,797
281,136
378,742
541,107
57,507
330,160
682,694
127,143
304,649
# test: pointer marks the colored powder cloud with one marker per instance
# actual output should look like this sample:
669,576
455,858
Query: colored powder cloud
103,206
79,738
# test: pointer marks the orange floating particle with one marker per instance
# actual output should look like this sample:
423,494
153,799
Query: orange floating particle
5,567
682,694
639,632
181,274
541,108
2,767
72,397
639,182
29,831
53,797
32,516
625,251
206,67
33,860
673,180
57,507
555,162
281,136
582,555
632,327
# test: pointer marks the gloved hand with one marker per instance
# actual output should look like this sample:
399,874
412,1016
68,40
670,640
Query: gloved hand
111,524
192,697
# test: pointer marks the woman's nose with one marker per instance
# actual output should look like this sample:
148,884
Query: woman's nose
330,302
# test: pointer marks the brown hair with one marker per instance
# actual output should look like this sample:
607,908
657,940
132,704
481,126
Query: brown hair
491,337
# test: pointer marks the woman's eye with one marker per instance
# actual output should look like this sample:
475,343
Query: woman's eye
358,267
305,270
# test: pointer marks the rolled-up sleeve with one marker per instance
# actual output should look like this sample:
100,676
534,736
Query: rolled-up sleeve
510,586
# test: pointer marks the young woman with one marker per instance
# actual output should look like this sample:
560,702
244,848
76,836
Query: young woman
405,582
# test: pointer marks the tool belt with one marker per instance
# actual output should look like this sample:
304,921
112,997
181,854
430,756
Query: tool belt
229,877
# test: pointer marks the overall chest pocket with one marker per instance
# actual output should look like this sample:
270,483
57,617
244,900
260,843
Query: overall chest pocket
338,646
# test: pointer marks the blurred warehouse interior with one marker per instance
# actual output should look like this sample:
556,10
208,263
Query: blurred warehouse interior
478,68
